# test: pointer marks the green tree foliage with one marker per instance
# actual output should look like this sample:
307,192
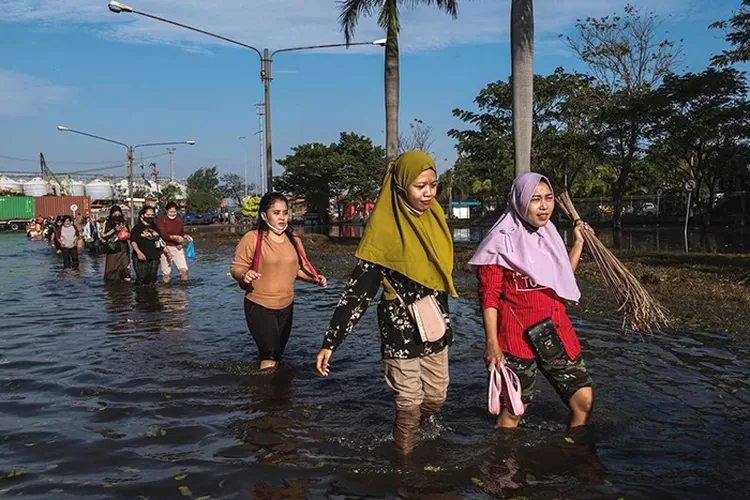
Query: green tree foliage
701,130
166,195
203,190
737,33
350,170
233,186
626,56
564,134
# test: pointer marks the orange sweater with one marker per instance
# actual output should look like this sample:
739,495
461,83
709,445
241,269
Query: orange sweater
279,266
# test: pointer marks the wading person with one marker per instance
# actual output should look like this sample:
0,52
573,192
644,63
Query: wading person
67,237
407,250
148,247
525,272
173,231
266,263
92,235
117,265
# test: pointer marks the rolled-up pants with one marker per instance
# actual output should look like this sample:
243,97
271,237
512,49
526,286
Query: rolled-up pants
177,256
419,381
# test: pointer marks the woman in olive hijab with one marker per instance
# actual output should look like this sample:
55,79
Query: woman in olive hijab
408,250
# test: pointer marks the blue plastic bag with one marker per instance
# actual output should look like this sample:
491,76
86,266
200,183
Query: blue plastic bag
190,250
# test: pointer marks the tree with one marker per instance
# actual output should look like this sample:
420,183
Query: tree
702,130
203,190
420,137
389,20
564,133
522,71
233,186
737,33
350,170
166,195
624,54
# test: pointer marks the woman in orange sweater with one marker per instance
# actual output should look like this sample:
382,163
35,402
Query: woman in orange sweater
267,275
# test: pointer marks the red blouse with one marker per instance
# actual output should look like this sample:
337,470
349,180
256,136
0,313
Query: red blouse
511,292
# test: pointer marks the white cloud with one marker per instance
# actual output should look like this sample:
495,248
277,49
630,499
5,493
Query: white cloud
22,94
283,23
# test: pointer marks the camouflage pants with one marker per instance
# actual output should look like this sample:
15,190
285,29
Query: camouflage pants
566,376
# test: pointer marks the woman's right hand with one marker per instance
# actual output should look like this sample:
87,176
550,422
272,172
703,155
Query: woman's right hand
322,361
141,256
250,276
493,356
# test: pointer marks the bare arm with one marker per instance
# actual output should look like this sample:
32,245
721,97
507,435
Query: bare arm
575,251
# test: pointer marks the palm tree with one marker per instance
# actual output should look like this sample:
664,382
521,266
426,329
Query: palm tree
522,53
388,19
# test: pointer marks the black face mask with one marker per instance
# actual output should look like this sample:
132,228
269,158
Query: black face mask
149,220
118,218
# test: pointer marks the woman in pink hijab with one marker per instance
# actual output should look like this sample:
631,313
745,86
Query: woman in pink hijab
525,273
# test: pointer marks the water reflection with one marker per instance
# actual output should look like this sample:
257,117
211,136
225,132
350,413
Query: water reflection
160,383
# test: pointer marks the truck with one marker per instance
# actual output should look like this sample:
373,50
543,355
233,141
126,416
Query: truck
16,212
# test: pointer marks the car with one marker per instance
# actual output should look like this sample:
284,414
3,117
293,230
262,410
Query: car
648,208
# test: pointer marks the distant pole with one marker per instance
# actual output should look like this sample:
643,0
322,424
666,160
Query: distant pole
687,217
267,88
171,163
243,138
261,110
131,154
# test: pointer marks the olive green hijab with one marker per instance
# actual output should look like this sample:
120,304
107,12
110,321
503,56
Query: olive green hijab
418,246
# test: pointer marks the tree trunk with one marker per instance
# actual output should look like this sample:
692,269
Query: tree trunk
391,93
522,71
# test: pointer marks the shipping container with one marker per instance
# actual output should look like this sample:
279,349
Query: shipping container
16,207
50,206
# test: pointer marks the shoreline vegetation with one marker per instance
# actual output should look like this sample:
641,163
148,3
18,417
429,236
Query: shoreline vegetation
704,292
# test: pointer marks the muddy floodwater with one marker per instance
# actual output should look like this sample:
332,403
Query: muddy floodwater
127,392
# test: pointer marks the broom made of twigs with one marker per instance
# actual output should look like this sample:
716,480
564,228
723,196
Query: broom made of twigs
642,313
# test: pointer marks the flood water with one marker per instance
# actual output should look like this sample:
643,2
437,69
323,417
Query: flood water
152,393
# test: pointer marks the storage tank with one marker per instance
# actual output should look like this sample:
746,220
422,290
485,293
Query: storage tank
99,190
77,188
8,184
36,187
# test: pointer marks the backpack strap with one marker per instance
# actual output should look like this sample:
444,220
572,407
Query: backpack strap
256,256
305,262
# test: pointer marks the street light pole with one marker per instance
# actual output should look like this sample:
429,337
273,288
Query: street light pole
266,62
242,137
171,163
130,156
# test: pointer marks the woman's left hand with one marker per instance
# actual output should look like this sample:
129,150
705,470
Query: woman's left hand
322,281
579,228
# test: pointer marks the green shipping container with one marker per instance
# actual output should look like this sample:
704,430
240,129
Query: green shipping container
16,207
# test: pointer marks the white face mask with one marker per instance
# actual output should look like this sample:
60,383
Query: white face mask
274,229
171,217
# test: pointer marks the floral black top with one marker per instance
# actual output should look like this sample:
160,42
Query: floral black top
399,336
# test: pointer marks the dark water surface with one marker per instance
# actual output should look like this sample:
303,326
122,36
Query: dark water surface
153,393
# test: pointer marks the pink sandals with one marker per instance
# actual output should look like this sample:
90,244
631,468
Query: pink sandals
504,387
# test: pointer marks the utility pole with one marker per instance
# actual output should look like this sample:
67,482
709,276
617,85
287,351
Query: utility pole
131,154
261,111
171,163
244,139
267,77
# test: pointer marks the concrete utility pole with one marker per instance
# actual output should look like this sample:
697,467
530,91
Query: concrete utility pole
171,163
260,107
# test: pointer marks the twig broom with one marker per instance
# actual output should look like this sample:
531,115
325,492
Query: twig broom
642,313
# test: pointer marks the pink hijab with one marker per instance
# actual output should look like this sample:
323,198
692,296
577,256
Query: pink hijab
514,244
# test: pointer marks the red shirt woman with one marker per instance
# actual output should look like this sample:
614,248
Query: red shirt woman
525,273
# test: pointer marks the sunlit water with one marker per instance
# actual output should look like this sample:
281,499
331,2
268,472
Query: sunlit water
153,393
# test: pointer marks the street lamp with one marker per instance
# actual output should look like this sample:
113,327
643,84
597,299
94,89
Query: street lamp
242,137
266,62
131,154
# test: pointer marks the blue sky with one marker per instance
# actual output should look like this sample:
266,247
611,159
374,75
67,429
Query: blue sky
137,80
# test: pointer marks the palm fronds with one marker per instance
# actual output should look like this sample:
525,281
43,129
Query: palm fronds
642,313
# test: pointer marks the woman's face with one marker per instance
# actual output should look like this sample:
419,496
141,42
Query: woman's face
422,191
541,206
277,214
148,216
172,213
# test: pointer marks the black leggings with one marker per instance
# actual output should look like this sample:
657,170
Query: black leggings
70,258
270,328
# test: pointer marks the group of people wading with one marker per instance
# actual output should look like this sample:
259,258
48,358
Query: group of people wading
524,271
152,243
